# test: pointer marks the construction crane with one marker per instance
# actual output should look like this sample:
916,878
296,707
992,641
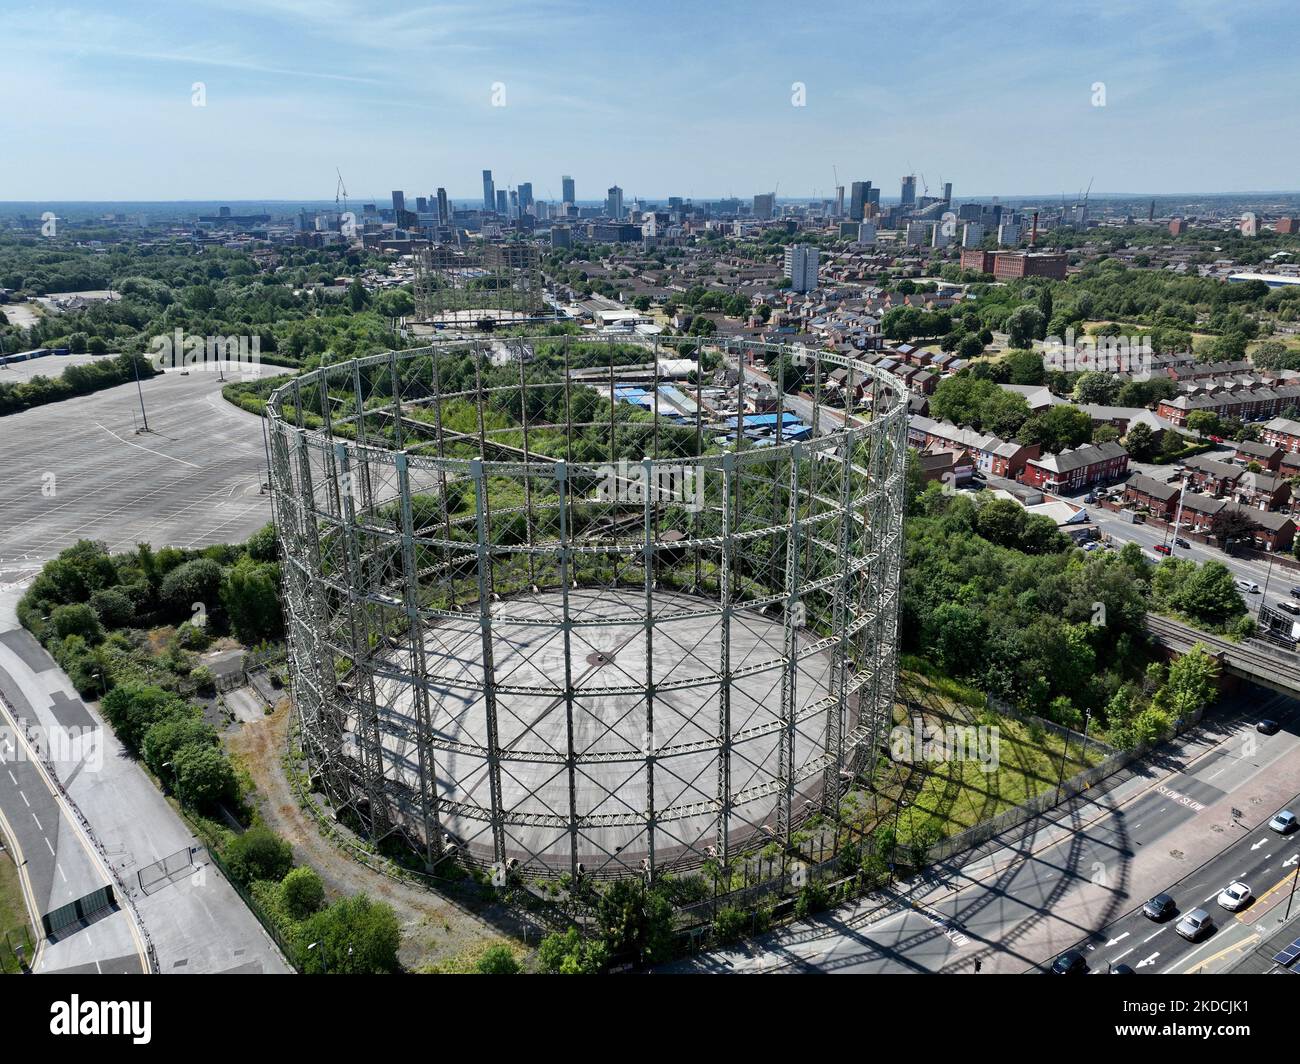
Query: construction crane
340,190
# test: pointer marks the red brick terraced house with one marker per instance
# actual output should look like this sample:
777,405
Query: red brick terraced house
1074,470
1282,432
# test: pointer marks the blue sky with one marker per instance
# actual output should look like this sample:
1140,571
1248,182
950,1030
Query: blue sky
664,98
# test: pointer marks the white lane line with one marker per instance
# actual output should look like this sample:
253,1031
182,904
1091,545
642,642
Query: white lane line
48,846
59,868
38,823
24,798
160,454
1146,940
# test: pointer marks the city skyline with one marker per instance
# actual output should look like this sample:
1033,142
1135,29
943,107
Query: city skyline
202,104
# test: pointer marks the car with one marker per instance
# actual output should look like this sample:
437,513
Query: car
1267,727
1195,925
1235,897
1287,606
1216,439
1248,586
1284,823
1122,969
1070,962
1182,542
1295,592
1091,546
1160,548
1160,907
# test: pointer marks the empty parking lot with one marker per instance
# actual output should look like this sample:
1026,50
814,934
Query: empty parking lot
79,469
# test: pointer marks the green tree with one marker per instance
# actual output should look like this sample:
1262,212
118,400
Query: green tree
1058,428
354,936
251,596
1203,423
203,776
193,581
1140,441
77,619
635,921
1024,325
259,853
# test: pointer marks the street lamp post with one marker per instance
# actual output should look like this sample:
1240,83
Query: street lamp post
135,363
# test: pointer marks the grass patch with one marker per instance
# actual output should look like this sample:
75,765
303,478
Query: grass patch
15,928
961,786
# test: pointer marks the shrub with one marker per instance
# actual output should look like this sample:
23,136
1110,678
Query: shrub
113,606
730,923
192,637
167,737
203,680
497,960
77,619
570,954
302,893
259,853
354,936
190,582
131,708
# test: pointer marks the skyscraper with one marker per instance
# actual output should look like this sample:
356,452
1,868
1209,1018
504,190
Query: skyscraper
489,191
399,201
764,204
566,183
614,202
444,208
503,205
839,201
858,199
525,198
909,191
947,192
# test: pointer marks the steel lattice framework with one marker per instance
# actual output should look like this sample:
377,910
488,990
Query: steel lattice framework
547,630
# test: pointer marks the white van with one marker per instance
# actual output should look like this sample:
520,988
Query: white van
1248,586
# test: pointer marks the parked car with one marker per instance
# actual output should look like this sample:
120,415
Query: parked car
1182,542
1248,586
1122,969
1267,727
1284,823
1288,606
1235,897
1295,592
1195,925
1161,548
1161,907
1070,962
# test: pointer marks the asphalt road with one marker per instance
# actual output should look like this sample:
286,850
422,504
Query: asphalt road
56,861
1261,858
1022,899
1274,581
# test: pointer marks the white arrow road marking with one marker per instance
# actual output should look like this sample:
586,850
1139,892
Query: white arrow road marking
1262,842
1149,960
1116,941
